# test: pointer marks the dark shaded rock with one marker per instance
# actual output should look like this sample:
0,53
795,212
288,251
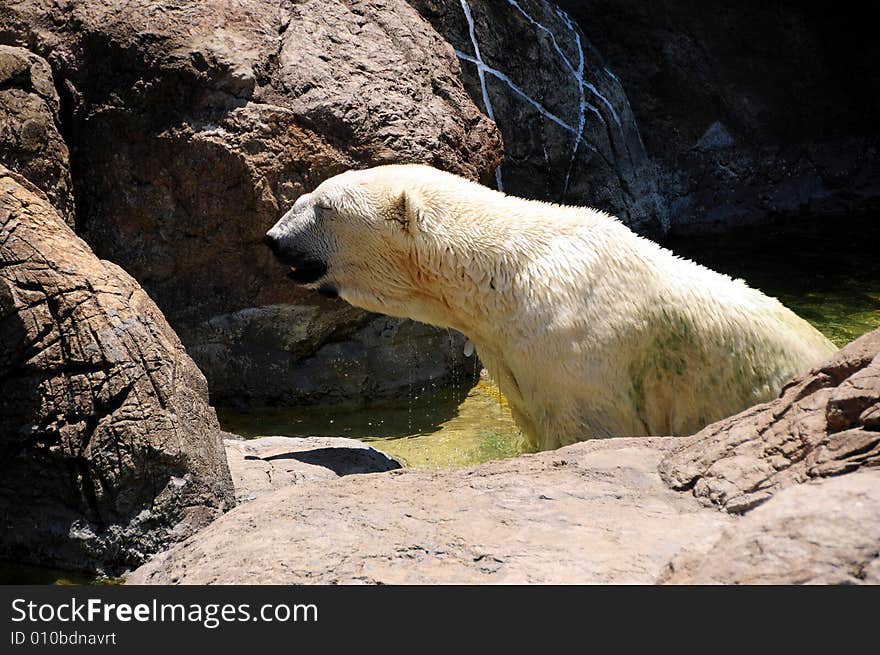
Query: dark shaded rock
823,424
824,532
752,109
260,466
30,143
193,126
109,450
569,133
284,353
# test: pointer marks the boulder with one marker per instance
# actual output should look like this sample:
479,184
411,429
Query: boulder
588,513
30,141
569,133
822,532
109,450
194,126
259,466
292,354
824,423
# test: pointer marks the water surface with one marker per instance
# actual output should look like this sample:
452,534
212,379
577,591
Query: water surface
439,431
827,272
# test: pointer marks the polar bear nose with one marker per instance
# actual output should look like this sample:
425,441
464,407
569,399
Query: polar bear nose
271,241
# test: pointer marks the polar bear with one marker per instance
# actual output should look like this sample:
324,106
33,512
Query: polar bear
589,329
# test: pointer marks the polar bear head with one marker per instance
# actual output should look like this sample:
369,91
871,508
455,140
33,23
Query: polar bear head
399,240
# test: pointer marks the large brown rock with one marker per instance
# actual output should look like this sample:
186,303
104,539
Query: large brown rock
30,141
822,532
109,450
589,513
569,133
825,422
193,126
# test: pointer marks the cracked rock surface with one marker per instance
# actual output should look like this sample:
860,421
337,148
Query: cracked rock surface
109,450
825,423
592,512
30,141
823,532
193,126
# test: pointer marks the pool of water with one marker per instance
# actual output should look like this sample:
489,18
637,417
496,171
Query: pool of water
443,430
17,574
826,272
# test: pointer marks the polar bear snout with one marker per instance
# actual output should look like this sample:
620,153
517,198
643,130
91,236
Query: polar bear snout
305,267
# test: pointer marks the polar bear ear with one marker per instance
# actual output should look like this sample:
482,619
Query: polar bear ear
406,209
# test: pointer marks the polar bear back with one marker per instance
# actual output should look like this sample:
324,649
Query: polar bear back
590,329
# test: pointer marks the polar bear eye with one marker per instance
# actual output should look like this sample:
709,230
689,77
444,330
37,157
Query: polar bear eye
322,208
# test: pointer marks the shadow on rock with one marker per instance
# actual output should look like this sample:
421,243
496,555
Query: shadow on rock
260,466
342,461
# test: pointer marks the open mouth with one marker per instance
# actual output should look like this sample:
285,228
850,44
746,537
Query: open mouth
303,268
307,271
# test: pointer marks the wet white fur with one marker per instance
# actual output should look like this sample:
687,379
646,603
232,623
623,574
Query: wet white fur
589,329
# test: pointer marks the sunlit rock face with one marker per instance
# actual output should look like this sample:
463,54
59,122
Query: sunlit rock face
569,133
193,126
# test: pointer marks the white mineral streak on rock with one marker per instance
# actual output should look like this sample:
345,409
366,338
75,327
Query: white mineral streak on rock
611,75
481,72
501,76
577,73
603,99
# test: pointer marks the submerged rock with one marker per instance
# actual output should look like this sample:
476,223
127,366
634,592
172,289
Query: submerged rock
109,450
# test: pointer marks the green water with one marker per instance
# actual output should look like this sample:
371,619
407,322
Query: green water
443,430
826,272
12,573
829,274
